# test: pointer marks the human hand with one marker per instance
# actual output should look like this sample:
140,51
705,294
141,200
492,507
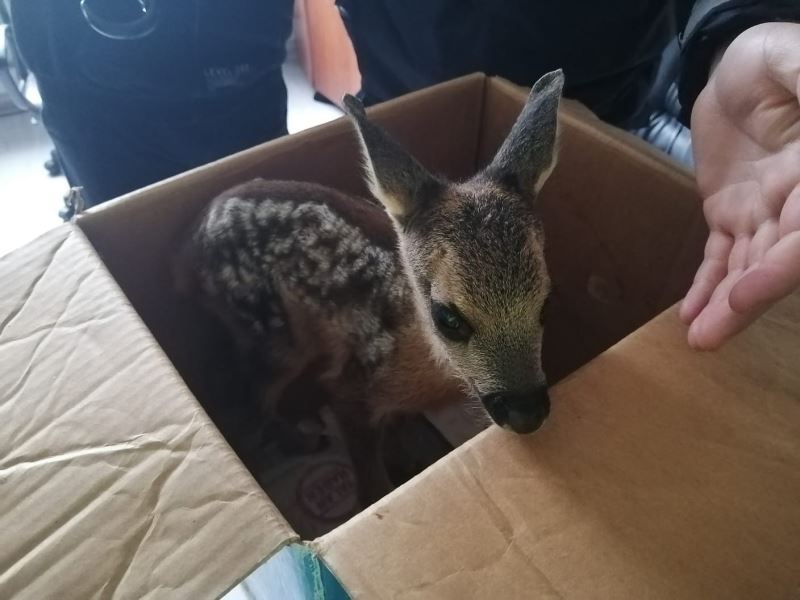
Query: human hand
746,140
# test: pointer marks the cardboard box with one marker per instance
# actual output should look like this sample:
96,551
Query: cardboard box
660,474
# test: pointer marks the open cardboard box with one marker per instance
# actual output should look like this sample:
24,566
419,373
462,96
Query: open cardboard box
660,473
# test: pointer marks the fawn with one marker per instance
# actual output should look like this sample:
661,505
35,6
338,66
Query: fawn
433,297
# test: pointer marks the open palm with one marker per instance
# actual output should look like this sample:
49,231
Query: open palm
746,138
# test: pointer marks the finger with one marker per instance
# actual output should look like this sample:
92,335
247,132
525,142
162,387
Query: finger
717,322
775,276
737,261
711,272
790,211
713,330
764,238
742,297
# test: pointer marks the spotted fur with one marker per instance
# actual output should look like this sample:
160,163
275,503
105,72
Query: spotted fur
257,249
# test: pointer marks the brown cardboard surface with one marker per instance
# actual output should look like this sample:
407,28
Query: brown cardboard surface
113,482
662,473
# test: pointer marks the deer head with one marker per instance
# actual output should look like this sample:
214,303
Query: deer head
474,251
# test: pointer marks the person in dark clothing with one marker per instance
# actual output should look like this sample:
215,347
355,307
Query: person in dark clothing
610,51
621,57
132,97
742,103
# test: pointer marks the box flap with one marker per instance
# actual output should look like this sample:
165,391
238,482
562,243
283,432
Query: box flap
662,473
113,482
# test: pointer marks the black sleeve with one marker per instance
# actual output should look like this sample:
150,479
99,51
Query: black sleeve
712,23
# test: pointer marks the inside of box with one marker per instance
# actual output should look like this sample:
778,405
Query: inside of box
624,235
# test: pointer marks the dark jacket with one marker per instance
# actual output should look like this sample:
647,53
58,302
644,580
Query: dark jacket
610,51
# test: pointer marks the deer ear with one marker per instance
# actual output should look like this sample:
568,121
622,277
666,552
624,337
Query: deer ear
528,155
394,177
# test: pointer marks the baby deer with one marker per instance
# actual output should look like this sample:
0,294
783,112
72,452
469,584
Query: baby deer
434,299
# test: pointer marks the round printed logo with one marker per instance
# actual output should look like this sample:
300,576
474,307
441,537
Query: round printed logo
327,491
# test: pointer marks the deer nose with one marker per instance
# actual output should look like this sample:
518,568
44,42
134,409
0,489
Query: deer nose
522,413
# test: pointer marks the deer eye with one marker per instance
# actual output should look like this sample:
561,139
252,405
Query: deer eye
450,323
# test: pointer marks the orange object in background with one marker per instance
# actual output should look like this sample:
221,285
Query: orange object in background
326,52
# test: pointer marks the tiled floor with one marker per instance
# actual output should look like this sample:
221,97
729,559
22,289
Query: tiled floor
30,199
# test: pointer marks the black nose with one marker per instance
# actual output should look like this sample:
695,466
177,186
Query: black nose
522,413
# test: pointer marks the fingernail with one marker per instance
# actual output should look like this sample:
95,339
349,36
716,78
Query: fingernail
693,335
